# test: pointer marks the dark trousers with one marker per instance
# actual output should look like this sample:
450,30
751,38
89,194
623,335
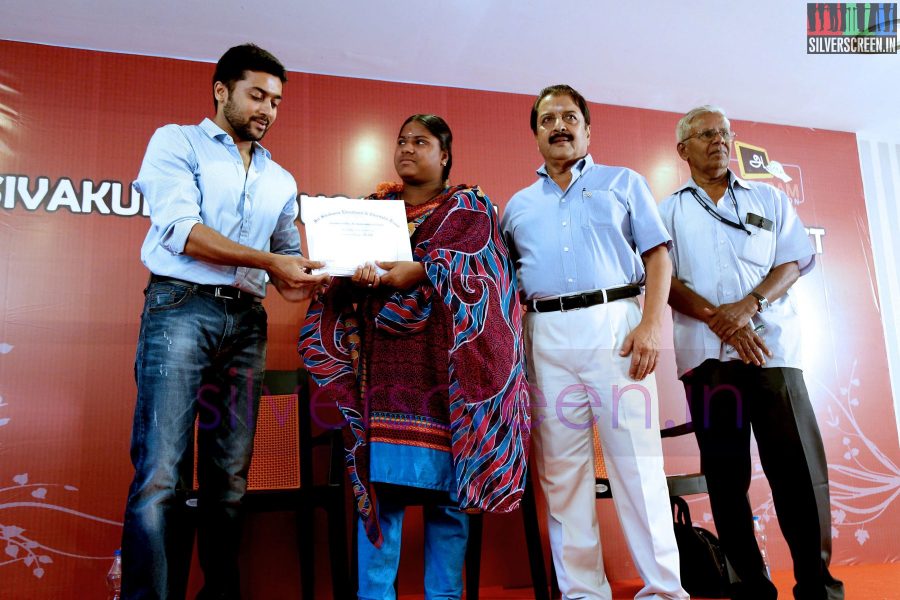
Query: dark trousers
727,399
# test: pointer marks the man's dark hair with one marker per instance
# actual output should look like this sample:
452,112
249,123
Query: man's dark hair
560,90
437,127
246,57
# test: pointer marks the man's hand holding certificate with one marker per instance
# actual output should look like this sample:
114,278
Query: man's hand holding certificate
347,233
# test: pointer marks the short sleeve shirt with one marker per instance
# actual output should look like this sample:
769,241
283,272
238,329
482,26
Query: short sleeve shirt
587,237
723,264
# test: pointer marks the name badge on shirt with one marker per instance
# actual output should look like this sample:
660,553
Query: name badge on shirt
761,222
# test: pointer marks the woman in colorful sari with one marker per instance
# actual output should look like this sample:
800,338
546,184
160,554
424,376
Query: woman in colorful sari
425,362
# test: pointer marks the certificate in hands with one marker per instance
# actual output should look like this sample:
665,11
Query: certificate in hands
347,233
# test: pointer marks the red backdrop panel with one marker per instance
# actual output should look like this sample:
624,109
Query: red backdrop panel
71,281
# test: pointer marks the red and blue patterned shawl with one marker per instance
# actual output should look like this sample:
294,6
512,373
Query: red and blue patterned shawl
469,270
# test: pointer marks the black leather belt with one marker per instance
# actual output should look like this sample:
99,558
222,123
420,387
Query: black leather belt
225,292
576,301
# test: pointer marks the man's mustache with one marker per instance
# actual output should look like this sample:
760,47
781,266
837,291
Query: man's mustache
560,136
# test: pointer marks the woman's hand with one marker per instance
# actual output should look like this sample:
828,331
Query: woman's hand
366,276
402,275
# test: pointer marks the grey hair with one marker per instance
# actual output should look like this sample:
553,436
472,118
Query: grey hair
684,123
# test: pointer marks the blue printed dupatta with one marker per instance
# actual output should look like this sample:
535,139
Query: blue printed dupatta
469,271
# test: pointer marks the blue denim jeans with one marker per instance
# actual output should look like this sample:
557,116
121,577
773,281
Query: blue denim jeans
196,355
446,536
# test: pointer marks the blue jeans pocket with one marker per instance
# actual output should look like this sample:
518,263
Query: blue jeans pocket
165,296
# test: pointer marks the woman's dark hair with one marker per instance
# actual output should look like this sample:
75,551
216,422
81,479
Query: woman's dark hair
560,90
247,57
437,127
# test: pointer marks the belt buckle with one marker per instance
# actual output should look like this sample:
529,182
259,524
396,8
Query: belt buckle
562,307
605,297
219,293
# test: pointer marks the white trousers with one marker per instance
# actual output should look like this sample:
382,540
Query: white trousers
577,378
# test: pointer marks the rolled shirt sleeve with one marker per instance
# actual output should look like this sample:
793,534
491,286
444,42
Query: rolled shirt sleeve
167,180
196,174
286,237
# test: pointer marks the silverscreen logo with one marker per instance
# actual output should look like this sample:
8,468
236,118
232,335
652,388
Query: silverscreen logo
851,28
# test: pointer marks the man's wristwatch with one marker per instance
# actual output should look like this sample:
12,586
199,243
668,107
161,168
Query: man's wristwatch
762,303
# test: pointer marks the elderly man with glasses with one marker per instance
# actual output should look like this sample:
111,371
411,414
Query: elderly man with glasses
738,248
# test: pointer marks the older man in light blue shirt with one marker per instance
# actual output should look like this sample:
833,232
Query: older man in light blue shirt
585,238
222,215
725,263
738,249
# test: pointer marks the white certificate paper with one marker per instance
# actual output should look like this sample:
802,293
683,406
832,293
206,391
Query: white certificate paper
346,233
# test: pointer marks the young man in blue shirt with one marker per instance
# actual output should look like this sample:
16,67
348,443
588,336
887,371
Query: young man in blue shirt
222,216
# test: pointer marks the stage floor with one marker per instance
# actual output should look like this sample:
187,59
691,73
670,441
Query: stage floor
861,582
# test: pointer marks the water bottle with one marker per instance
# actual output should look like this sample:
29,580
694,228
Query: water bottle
761,542
114,578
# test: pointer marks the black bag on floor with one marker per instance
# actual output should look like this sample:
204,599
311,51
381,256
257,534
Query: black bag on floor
704,571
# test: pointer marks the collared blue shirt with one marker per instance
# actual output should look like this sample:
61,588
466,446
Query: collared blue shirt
723,264
587,237
195,174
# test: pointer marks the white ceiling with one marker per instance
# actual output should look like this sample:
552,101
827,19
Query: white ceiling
749,57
